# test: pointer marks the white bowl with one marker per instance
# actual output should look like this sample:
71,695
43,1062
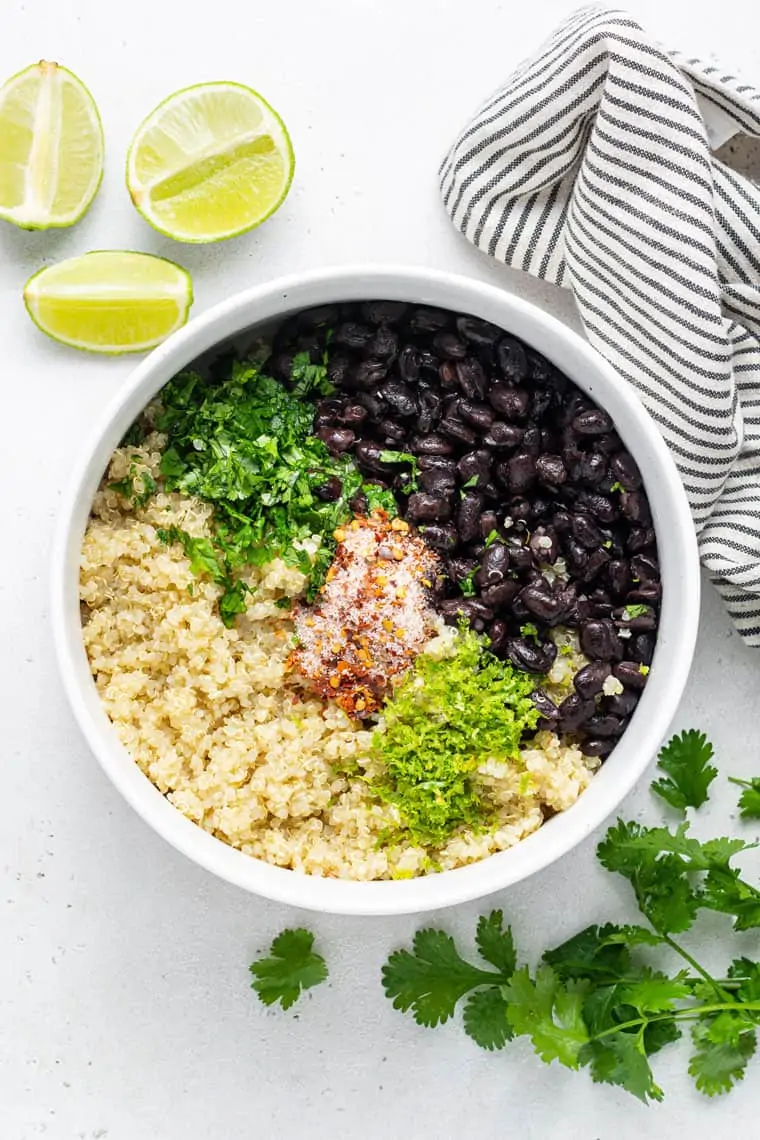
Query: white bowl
677,549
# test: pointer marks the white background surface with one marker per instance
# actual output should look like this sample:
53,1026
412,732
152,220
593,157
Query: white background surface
125,1012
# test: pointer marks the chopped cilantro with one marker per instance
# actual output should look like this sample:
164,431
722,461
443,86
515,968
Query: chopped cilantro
631,612
379,499
467,584
472,481
644,670
137,487
617,487
530,630
309,379
493,536
245,444
440,722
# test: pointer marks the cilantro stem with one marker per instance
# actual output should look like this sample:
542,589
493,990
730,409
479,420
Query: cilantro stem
692,1013
694,964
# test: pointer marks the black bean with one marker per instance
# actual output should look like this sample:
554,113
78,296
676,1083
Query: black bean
501,594
475,612
501,436
511,403
458,431
429,362
391,431
488,523
448,346
624,470
281,365
608,444
438,463
522,472
540,600
562,522
541,400
352,335
479,416
640,623
383,312
532,441
320,315
336,439
358,503
478,332
600,748
497,633
338,369
597,561
432,444
551,470
468,516
471,378
600,641
602,508
545,705
437,482
520,557
622,704
352,414
430,410
513,360
429,320
640,538
423,507
591,469
604,725
574,711
629,674
543,545
589,680
592,422
366,375
645,567
368,454
442,538
619,577
530,657
494,566
460,567
330,490
383,345
447,376
399,397
635,507
374,405
648,592
576,555
410,363
586,532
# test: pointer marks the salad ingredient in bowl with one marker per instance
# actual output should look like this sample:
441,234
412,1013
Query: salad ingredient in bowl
374,598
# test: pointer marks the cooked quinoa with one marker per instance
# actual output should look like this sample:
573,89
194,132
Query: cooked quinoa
232,735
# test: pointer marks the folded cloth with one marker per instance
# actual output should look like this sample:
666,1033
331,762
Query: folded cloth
592,168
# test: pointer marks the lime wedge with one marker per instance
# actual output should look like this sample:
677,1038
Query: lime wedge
51,148
110,300
210,162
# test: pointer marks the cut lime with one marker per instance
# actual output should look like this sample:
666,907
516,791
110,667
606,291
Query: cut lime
110,300
51,148
209,163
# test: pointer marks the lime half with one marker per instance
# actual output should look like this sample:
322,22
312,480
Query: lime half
209,163
51,148
110,301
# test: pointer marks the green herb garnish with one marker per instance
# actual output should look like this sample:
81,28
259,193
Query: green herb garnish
493,536
380,499
137,487
291,968
686,760
440,722
631,612
617,487
310,379
245,444
530,630
467,584
749,800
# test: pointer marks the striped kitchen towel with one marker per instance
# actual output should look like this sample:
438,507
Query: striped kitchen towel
592,168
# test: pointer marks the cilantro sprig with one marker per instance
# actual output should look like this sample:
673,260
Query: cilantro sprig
595,1002
686,761
749,800
291,967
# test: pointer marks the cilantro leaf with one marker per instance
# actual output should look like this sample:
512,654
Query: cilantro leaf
723,1044
550,1012
291,968
749,800
660,881
598,952
309,379
496,945
379,499
621,1059
631,612
654,992
432,979
467,584
485,1018
726,892
686,760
